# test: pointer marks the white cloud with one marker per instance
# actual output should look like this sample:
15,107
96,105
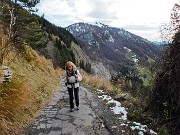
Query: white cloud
116,13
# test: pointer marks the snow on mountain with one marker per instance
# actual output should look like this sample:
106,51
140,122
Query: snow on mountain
110,44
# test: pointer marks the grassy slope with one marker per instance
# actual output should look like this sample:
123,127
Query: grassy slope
33,83
79,54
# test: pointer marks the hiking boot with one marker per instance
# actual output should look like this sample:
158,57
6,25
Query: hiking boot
72,109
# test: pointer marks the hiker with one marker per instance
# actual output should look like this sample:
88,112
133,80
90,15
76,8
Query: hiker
73,77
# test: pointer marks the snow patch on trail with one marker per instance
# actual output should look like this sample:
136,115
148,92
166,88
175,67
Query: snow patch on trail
118,109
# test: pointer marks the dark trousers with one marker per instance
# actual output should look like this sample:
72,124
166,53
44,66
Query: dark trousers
73,92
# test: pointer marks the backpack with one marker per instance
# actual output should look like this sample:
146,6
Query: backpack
72,79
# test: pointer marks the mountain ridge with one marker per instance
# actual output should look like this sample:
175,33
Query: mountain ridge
110,44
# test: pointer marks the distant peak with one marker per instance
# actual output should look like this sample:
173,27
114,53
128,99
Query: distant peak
99,24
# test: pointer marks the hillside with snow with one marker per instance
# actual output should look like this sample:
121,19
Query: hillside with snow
113,46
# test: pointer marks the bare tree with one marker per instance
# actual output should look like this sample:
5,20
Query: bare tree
6,37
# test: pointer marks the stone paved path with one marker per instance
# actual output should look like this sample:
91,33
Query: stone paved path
56,119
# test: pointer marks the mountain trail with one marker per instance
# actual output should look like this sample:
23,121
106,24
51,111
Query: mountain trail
93,118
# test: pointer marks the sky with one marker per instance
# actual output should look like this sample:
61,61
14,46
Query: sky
141,17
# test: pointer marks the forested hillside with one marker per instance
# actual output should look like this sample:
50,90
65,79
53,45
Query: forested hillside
129,58
38,32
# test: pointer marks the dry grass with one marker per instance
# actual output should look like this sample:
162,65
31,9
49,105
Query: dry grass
16,102
34,81
101,83
131,102
96,81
